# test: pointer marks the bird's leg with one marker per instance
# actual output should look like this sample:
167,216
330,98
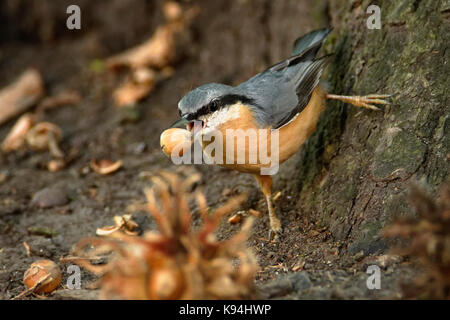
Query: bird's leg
265,183
362,101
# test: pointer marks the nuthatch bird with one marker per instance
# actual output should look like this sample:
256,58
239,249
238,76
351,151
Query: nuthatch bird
286,97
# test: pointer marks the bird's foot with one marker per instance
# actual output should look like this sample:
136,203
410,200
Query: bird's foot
275,229
368,101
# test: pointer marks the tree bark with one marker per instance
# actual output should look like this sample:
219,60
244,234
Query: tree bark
356,169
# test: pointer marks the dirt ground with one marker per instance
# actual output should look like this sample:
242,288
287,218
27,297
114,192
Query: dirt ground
94,128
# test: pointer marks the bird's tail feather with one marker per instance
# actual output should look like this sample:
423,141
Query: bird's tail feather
309,40
310,77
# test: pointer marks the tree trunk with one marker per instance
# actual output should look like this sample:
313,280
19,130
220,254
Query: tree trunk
357,168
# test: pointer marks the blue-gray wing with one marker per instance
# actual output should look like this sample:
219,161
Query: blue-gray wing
284,90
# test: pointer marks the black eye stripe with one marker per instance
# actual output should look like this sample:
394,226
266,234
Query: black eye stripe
219,103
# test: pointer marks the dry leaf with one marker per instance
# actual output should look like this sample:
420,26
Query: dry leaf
123,223
131,92
105,166
16,137
158,51
21,95
45,136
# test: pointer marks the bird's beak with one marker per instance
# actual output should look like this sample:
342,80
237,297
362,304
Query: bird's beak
180,122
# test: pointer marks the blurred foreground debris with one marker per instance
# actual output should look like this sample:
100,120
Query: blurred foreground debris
429,242
21,94
176,262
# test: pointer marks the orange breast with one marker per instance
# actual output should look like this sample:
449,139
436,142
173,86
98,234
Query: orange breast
252,145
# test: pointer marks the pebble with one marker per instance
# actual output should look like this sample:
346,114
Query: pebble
300,280
278,287
50,197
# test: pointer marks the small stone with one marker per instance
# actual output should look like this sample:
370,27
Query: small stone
50,197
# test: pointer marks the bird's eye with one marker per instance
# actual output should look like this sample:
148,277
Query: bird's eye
213,105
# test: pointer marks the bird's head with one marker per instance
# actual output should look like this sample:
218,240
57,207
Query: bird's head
209,106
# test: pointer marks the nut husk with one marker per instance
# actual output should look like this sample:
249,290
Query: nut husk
43,276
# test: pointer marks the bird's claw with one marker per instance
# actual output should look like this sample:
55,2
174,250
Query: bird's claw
371,99
367,101
274,234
